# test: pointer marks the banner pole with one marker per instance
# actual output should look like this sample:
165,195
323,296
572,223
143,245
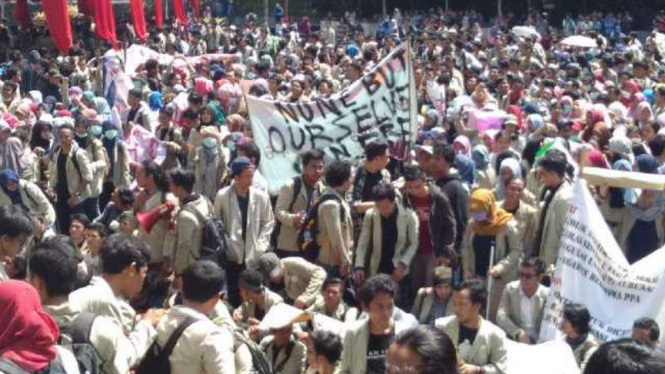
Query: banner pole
490,282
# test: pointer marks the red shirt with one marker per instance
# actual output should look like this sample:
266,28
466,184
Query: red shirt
422,207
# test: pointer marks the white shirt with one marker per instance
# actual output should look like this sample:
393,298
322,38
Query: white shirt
526,311
3,273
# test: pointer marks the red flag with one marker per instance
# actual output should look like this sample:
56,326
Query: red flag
57,20
23,14
159,14
180,12
86,8
138,19
105,21
196,6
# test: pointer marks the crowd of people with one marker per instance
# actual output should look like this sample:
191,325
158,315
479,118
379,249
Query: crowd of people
140,231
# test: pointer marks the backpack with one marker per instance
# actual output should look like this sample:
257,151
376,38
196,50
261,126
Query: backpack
214,245
309,231
156,359
76,338
297,187
260,364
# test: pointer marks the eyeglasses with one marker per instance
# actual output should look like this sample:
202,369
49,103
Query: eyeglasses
527,276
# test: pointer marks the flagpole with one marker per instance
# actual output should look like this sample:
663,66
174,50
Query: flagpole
490,282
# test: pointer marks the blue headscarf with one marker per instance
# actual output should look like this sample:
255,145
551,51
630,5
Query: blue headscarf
649,164
109,144
155,101
6,176
466,169
480,156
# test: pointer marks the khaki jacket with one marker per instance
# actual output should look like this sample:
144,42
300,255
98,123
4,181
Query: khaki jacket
200,171
507,251
121,166
553,226
203,348
98,163
260,222
405,247
526,220
247,309
422,306
585,350
288,232
34,199
509,315
283,362
74,179
302,279
343,313
333,234
488,349
158,239
189,232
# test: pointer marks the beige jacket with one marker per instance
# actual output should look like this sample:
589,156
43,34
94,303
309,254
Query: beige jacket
488,349
98,163
507,251
553,226
219,163
509,315
526,220
302,279
34,199
288,232
260,222
283,362
158,239
247,309
333,234
585,350
422,306
343,313
203,348
405,247
121,166
74,178
189,232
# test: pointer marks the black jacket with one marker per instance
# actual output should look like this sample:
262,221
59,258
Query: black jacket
442,226
454,190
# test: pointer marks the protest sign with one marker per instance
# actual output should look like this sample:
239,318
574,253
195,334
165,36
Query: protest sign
623,179
593,271
379,106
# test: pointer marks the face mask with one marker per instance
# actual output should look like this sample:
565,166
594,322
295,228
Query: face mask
111,134
209,142
96,130
479,216
566,109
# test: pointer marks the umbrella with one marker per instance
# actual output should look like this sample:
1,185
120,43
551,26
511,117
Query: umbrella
579,41
525,31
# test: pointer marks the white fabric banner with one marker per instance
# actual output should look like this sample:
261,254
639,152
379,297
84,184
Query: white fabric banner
593,271
553,357
381,105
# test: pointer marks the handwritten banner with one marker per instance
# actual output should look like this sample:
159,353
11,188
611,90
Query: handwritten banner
379,106
593,271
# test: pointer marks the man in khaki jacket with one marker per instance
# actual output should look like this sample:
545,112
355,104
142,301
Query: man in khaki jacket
302,280
521,308
293,202
257,300
31,196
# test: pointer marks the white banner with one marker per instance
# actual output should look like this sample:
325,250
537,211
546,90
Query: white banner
593,271
381,105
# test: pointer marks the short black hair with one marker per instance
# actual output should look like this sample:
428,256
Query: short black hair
338,173
99,228
413,173
477,291
202,281
191,114
126,195
251,279
380,283
312,155
648,324
54,261
625,356
445,150
554,161
434,347
184,178
384,191
533,262
252,151
327,344
657,145
578,316
375,149
334,281
14,223
119,251
136,93
153,170
82,218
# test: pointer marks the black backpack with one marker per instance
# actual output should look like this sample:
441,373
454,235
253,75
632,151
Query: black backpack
156,359
214,245
297,187
309,231
260,364
76,338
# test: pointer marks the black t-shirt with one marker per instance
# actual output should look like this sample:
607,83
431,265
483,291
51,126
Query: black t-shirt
482,247
243,203
388,240
62,189
371,180
377,349
467,334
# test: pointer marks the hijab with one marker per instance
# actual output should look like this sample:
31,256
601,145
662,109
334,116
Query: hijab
597,159
466,169
482,200
649,164
155,101
465,143
517,112
27,333
507,163
36,139
6,176
481,157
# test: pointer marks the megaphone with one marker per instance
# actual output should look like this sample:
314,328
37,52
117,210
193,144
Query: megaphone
148,219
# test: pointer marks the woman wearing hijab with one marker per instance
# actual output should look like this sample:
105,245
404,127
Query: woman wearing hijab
27,195
467,171
462,145
209,166
87,134
491,227
510,168
119,174
485,175
646,233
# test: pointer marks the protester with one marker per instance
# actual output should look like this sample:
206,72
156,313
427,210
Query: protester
575,326
435,302
301,279
625,356
15,228
647,331
423,350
